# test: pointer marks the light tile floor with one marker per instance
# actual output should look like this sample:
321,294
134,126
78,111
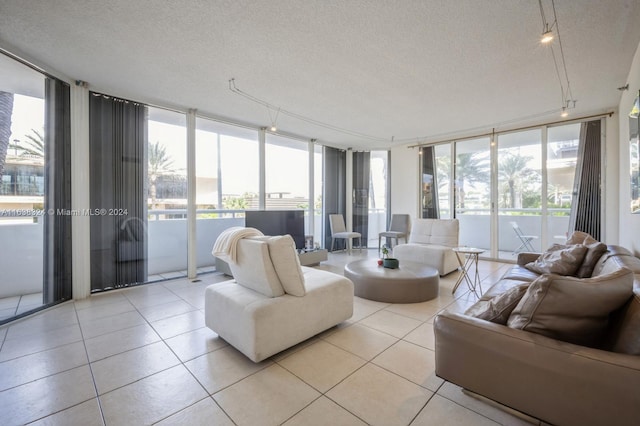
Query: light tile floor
144,356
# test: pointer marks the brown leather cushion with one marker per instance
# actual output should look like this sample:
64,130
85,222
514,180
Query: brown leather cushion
595,250
498,308
579,237
559,259
572,309
520,273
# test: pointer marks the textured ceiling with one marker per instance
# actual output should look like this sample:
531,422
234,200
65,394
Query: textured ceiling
412,69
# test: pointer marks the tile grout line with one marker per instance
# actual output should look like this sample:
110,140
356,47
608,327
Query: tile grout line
93,378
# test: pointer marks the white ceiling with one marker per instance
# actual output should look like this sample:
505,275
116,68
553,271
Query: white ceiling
412,69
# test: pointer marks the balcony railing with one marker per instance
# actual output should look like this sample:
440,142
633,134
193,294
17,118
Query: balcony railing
22,260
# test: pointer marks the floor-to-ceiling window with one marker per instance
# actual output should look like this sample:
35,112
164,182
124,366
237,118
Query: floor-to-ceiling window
34,191
519,161
317,194
240,169
166,194
286,174
562,157
512,191
378,195
472,192
22,191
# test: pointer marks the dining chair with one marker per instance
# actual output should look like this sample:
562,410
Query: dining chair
339,231
398,229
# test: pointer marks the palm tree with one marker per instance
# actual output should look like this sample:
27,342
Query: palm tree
471,168
512,171
159,163
6,111
35,145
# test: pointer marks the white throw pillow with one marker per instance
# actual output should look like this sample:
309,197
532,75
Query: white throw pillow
254,268
286,262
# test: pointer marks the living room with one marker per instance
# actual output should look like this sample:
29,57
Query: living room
373,96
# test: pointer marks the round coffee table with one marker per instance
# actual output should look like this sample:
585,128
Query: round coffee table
411,283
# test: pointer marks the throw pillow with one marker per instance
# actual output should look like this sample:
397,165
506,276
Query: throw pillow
594,253
595,250
498,309
559,259
572,309
579,237
254,268
286,262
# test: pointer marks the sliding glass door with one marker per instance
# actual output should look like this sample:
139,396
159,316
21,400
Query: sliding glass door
512,192
35,191
472,192
519,161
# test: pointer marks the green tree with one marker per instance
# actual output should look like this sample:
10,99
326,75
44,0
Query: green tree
6,111
234,203
471,168
34,145
159,163
513,171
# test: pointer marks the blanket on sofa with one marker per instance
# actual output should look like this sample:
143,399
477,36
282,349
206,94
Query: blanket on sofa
225,245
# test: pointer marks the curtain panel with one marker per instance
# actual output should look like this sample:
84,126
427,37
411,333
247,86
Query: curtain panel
429,183
361,191
57,199
586,208
117,156
334,181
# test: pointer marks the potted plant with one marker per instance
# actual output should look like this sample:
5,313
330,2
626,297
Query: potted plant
388,262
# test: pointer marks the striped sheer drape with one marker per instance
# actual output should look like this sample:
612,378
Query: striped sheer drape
586,207
333,187
57,198
361,184
117,139
430,208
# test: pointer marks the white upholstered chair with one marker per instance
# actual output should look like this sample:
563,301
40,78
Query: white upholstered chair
273,303
339,231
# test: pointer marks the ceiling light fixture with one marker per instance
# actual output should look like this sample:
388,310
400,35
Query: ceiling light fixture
274,120
237,91
568,101
547,30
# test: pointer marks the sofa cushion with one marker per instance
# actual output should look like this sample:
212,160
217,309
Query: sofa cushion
520,273
559,259
287,264
572,309
498,309
595,250
253,268
624,335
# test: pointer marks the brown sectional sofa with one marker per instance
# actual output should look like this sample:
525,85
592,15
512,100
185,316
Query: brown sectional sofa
555,381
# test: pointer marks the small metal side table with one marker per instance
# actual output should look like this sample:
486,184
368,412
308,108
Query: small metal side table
470,256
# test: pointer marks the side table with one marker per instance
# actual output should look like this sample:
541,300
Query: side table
470,256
